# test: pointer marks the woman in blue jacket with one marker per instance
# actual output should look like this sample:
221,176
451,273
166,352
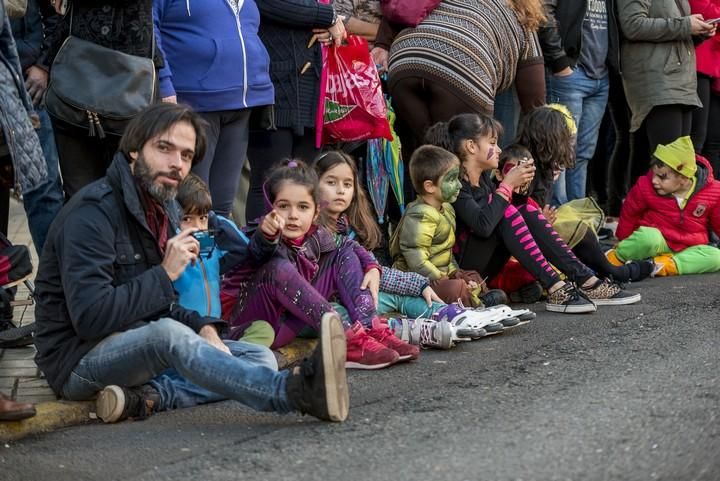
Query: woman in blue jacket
216,63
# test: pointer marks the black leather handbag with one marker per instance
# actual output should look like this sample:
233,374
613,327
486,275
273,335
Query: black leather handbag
99,88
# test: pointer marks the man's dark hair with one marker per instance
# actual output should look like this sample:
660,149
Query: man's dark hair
194,196
158,119
429,163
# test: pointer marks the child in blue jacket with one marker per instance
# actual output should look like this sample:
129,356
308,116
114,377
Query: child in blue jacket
222,247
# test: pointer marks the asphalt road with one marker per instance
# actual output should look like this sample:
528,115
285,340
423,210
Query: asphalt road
628,393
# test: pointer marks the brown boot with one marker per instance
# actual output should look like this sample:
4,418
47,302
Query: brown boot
14,411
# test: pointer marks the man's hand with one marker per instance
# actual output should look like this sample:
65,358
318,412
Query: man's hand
550,213
372,281
380,56
430,296
180,251
698,26
59,5
566,72
36,83
272,225
210,334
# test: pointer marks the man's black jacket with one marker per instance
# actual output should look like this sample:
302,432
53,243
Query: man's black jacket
100,273
561,36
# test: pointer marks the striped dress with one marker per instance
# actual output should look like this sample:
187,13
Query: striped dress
473,47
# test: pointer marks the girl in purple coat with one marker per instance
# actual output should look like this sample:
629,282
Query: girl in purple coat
310,268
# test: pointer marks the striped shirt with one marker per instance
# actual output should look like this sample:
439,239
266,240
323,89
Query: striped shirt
472,46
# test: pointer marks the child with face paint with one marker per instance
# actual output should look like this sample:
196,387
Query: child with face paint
546,137
423,240
491,229
292,291
669,213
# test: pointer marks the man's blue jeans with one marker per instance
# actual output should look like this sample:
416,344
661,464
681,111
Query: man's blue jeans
507,112
43,204
586,98
184,368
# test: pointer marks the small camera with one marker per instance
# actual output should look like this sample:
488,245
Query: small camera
206,238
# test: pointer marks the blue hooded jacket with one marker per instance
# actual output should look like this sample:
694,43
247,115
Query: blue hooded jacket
214,59
198,287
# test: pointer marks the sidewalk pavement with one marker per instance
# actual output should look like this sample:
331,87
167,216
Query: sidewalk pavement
21,379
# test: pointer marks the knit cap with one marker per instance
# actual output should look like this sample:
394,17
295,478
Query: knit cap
679,156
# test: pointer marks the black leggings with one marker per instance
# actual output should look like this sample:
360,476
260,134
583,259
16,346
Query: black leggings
525,234
589,252
706,123
666,123
619,164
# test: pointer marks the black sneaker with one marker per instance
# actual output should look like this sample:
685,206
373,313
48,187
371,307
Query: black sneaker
494,297
608,293
569,300
527,294
318,386
115,403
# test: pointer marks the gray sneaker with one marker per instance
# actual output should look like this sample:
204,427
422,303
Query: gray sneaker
608,293
569,300
424,332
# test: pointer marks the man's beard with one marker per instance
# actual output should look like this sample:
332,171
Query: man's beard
161,193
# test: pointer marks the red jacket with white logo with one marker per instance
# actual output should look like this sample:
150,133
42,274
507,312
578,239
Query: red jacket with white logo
681,228
708,52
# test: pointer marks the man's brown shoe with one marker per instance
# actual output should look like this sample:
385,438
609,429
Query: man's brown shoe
14,411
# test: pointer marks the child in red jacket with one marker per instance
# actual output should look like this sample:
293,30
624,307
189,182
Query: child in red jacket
668,214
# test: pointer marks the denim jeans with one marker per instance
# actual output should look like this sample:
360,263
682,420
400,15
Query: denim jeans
586,98
43,204
507,112
184,368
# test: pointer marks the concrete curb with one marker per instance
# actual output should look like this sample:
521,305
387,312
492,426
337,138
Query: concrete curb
59,414
50,416
294,352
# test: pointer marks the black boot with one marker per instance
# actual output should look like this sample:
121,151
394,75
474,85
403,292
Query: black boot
116,403
318,386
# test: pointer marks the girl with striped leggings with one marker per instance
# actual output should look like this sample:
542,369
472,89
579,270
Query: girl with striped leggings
490,229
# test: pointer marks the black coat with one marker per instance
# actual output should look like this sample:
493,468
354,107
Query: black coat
285,30
28,31
561,37
99,274
123,26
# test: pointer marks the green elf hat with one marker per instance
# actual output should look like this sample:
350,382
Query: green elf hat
679,156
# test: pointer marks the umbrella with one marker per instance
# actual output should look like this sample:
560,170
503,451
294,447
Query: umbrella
393,160
377,178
